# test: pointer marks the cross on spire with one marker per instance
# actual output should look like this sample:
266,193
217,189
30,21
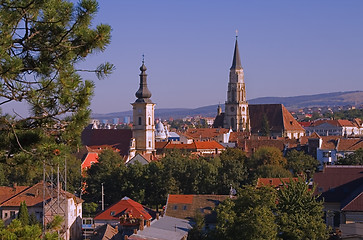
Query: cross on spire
236,33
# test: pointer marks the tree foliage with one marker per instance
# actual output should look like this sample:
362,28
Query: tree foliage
355,158
23,214
41,43
292,212
299,213
301,163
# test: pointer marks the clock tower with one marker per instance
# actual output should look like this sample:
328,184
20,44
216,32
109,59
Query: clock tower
143,117
236,107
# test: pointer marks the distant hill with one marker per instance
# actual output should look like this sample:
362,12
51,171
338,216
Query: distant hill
354,98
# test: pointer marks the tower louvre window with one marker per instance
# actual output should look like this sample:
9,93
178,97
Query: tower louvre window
139,120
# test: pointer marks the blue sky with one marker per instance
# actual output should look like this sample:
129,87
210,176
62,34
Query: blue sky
287,48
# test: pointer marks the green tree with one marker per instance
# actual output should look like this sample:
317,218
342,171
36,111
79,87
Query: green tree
267,156
301,163
41,43
232,170
23,214
89,209
299,213
265,126
250,216
355,158
272,171
109,171
197,233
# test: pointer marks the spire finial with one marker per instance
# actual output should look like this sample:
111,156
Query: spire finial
143,58
236,33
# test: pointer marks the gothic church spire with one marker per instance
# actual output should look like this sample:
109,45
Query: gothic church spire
236,64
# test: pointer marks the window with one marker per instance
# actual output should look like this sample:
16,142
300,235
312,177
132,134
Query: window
175,207
185,207
149,144
112,213
139,120
149,120
12,214
232,122
326,154
6,215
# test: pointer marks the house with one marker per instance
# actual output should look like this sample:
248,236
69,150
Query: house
141,158
326,127
186,206
220,135
341,187
328,149
33,198
197,147
127,213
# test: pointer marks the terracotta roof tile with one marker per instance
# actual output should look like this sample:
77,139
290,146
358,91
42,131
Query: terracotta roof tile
205,133
125,205
335,183
90,159
184,208
33,196
174,198
290,124
8,192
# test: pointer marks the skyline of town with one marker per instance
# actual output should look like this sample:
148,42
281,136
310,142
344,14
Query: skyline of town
287,49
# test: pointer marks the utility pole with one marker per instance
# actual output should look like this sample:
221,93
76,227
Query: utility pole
103,199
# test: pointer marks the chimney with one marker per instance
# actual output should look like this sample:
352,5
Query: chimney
148,223
135,230
157,216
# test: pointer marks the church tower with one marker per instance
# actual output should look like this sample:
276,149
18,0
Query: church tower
236,107
143,116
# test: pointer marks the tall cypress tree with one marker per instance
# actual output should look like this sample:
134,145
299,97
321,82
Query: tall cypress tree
23,215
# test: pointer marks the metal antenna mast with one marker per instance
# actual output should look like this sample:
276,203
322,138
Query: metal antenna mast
54,192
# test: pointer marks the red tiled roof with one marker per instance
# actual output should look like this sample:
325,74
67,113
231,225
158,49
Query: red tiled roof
208,145
8,192
290,124
125,205
305,124
174,198
356,205
90,159
205,133
335,183
337,123
197,145
33,196
117,138
185,206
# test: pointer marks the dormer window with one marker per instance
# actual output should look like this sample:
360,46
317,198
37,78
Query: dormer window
112,213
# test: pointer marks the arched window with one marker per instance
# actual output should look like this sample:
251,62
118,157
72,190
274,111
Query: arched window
149,120
139,120
232,122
